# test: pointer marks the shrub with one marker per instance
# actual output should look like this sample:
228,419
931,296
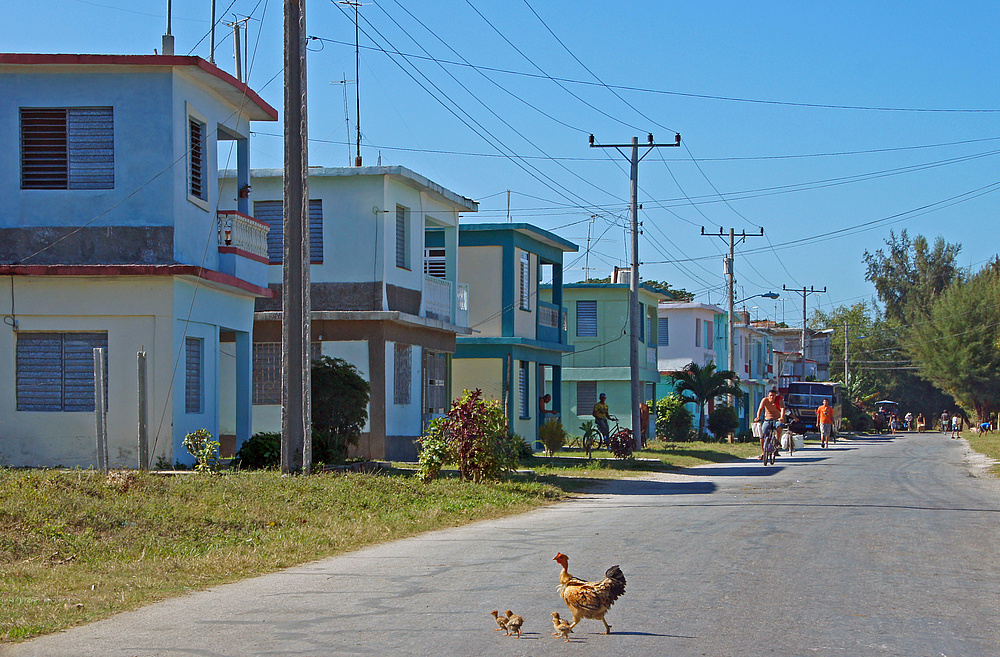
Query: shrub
673,420
845,424
205,450
552,435
473,434
723,421
259,452
339,408
589,430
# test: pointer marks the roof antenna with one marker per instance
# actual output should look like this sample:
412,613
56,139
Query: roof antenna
168,39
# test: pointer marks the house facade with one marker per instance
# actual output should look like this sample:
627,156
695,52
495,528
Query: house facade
689,332
598,329
385,294
110,237
754,352
788,353
515,353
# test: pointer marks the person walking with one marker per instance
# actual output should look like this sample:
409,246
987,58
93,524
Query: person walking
824,420
956,426
909,421
945,421
600,414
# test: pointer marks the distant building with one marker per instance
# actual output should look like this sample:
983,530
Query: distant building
788,353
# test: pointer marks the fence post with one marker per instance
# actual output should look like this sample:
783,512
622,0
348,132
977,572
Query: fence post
100,410
143,421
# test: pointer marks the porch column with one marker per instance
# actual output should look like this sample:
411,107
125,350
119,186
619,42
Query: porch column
244,387
376,402
557,389
451,265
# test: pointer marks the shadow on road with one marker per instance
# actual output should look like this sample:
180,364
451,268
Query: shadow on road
646,487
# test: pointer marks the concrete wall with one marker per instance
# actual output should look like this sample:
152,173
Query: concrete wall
482,268
525,321
483,373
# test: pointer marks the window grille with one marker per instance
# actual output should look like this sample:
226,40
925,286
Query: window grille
272,213
586,397
402,238
434,262
67,148
586,319
525,281
522,388
196,159
663,331
194,349
697,332
55,371
402,373
267,371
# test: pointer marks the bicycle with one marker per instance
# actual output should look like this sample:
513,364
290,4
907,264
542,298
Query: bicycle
770,448
621,443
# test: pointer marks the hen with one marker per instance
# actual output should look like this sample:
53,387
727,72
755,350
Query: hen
562,627
589,599
514,623
501,621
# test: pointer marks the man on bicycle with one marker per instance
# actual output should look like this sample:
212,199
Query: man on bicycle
774,415
600,414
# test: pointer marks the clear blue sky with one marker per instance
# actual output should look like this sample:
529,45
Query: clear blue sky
827,124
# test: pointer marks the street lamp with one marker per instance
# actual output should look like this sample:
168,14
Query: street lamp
766,295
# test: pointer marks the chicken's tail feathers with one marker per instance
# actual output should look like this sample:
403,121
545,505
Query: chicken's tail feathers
617,579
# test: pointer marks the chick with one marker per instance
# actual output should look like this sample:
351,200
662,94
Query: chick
501,622
514,623
562,627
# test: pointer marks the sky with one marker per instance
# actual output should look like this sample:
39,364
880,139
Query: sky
827,125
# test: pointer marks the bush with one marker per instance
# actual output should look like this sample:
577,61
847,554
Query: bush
205,450
723,421
259,452
474,434
339,408
845,424
552,435
673,420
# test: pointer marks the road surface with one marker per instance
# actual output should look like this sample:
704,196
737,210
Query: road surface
882,546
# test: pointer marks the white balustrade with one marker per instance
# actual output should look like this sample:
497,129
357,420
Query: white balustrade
437,298
242,232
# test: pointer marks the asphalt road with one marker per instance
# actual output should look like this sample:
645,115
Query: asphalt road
885,546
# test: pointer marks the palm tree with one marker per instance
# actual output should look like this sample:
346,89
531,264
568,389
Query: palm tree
705,383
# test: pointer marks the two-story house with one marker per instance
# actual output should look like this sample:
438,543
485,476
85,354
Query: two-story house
384,292
110,238
519,336
788,353
689,332
753,351
598,329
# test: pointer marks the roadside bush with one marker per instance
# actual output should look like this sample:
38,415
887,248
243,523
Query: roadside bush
673,420
259,452
723,421
339,408
552,435
845,424
524,450
205,450
474,435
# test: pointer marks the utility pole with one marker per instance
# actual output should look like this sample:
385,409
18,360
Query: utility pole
731,296
633,311
296,417
804,292
236,42
847,370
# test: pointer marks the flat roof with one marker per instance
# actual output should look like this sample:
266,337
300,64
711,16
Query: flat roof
223,83
530,230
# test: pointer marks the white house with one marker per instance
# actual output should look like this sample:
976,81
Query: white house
384,292
110,237
689,332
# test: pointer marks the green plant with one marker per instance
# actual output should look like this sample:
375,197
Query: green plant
552,435
205,450
845,424
473,434
162,462
673,419
262,450
339,408
704,384
589,430
524,451
723,421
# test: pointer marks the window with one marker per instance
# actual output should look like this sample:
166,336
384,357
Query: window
194,349
402,373
55,371
586,319
650,392
709,337
663,331
434,262
272,213
586,397
67,148
267,371
641,320
197,167
402,237
522,389
525,281
651,331
697,332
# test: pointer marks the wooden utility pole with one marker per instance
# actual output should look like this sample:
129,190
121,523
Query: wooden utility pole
633,311
296,417
804,292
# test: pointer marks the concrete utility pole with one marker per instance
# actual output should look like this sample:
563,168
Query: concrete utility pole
296,416
143,428
731,297
633,311
804,292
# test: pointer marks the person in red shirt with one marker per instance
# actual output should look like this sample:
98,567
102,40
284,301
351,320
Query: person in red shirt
824,420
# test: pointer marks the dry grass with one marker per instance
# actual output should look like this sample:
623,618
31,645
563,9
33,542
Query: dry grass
988,445
77,546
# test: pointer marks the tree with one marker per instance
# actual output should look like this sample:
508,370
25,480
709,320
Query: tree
958,347
675,294
704,384
723,421
339,408
673,419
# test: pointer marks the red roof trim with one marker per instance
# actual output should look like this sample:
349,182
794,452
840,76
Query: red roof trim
136,270
138,60
246,254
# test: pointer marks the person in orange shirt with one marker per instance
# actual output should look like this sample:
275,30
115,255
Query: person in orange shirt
824,419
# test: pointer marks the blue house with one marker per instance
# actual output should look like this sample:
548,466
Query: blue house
110,237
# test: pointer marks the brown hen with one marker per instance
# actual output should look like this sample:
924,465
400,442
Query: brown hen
589,599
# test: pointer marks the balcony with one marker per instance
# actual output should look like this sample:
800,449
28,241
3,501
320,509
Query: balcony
551,323
462,304
651,353
437,298
242,246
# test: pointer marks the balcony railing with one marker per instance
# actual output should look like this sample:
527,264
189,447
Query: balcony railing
651,356
551,323
462,304
437,298
242,233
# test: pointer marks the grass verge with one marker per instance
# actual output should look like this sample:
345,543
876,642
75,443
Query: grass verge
78,546
988,445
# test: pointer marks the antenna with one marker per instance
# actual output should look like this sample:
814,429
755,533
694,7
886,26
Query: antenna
357,72
347,115
168,39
